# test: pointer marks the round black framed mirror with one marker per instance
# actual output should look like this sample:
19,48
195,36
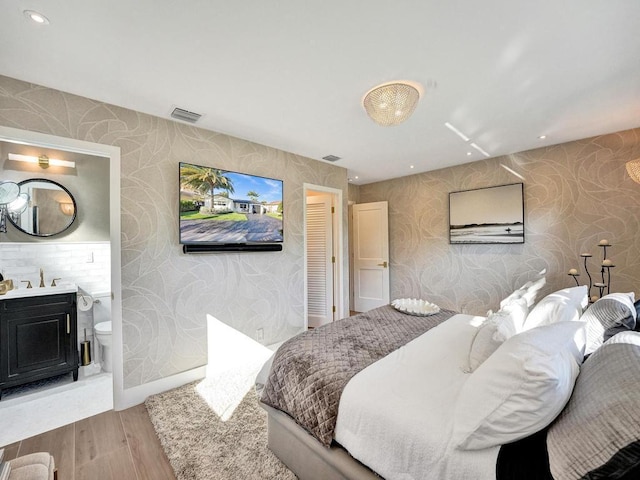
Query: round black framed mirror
51,208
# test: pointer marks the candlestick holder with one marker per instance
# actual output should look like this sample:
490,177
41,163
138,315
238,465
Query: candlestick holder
605,272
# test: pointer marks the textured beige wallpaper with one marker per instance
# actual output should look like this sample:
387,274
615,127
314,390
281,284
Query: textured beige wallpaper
575,194
166,295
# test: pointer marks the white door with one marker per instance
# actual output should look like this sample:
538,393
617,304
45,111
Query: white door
370,255
319,260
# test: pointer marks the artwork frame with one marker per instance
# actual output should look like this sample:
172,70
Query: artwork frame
488,215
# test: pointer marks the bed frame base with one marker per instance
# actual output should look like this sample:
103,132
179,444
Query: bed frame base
308,458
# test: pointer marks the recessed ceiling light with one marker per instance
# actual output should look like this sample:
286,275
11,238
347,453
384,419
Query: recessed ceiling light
36,17
542,137
410,166
356,177
469,154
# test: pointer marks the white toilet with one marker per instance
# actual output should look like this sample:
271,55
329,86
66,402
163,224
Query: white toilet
102,327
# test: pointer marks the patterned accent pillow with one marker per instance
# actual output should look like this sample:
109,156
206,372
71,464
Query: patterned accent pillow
611,314
597,434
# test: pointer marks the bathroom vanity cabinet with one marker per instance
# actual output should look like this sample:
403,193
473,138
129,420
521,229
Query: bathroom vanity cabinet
38,338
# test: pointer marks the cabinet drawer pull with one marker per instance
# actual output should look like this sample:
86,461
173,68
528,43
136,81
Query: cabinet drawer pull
68,324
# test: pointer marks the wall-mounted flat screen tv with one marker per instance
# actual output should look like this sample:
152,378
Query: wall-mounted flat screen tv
487,215
222,210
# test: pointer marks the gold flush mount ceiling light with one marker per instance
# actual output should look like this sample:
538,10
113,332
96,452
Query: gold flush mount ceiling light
633,169
391,103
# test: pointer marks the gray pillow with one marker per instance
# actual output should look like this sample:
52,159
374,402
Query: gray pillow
597,434
609,315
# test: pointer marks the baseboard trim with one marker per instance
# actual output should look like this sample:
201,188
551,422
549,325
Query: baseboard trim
136,395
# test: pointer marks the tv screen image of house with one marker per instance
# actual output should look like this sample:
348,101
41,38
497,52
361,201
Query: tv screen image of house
223,207
487,215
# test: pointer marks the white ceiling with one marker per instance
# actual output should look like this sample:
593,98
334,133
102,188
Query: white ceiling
291,74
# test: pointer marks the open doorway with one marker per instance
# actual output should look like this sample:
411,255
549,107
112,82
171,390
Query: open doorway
98,387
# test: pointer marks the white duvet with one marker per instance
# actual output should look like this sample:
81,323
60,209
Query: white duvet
396,416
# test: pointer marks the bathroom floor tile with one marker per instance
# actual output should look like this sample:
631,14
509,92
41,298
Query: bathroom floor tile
50,407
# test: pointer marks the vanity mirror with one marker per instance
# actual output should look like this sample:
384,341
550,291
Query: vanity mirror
51,208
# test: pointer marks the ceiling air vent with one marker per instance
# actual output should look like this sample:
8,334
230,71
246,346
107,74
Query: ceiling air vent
331,158
185,115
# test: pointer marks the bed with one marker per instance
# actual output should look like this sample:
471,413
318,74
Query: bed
385,394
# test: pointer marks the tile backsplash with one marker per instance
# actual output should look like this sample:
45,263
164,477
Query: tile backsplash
88,265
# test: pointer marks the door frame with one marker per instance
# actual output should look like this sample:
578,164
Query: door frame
338,243
113,154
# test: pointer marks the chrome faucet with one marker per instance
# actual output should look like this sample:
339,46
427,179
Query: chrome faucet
41,278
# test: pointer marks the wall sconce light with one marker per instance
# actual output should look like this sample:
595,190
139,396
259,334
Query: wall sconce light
67,208
12,202
42,160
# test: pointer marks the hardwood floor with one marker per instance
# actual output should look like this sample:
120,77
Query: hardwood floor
112,445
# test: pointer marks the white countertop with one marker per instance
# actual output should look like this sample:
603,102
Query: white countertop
24,292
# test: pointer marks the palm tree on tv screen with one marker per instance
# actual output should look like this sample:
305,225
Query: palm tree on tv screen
253,195
205,180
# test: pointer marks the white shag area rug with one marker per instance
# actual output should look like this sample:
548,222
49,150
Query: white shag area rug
204,445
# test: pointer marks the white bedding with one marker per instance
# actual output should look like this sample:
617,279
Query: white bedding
403,431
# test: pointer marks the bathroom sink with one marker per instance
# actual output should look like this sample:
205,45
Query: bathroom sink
23,292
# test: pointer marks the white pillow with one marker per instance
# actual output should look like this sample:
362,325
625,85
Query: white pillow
529,291
517,311
495,330
513,296
483,343
561,306
520,388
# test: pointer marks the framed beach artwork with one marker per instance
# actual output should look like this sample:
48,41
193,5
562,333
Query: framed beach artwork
487,215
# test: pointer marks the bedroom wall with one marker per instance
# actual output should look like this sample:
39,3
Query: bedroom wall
166,295
575,194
